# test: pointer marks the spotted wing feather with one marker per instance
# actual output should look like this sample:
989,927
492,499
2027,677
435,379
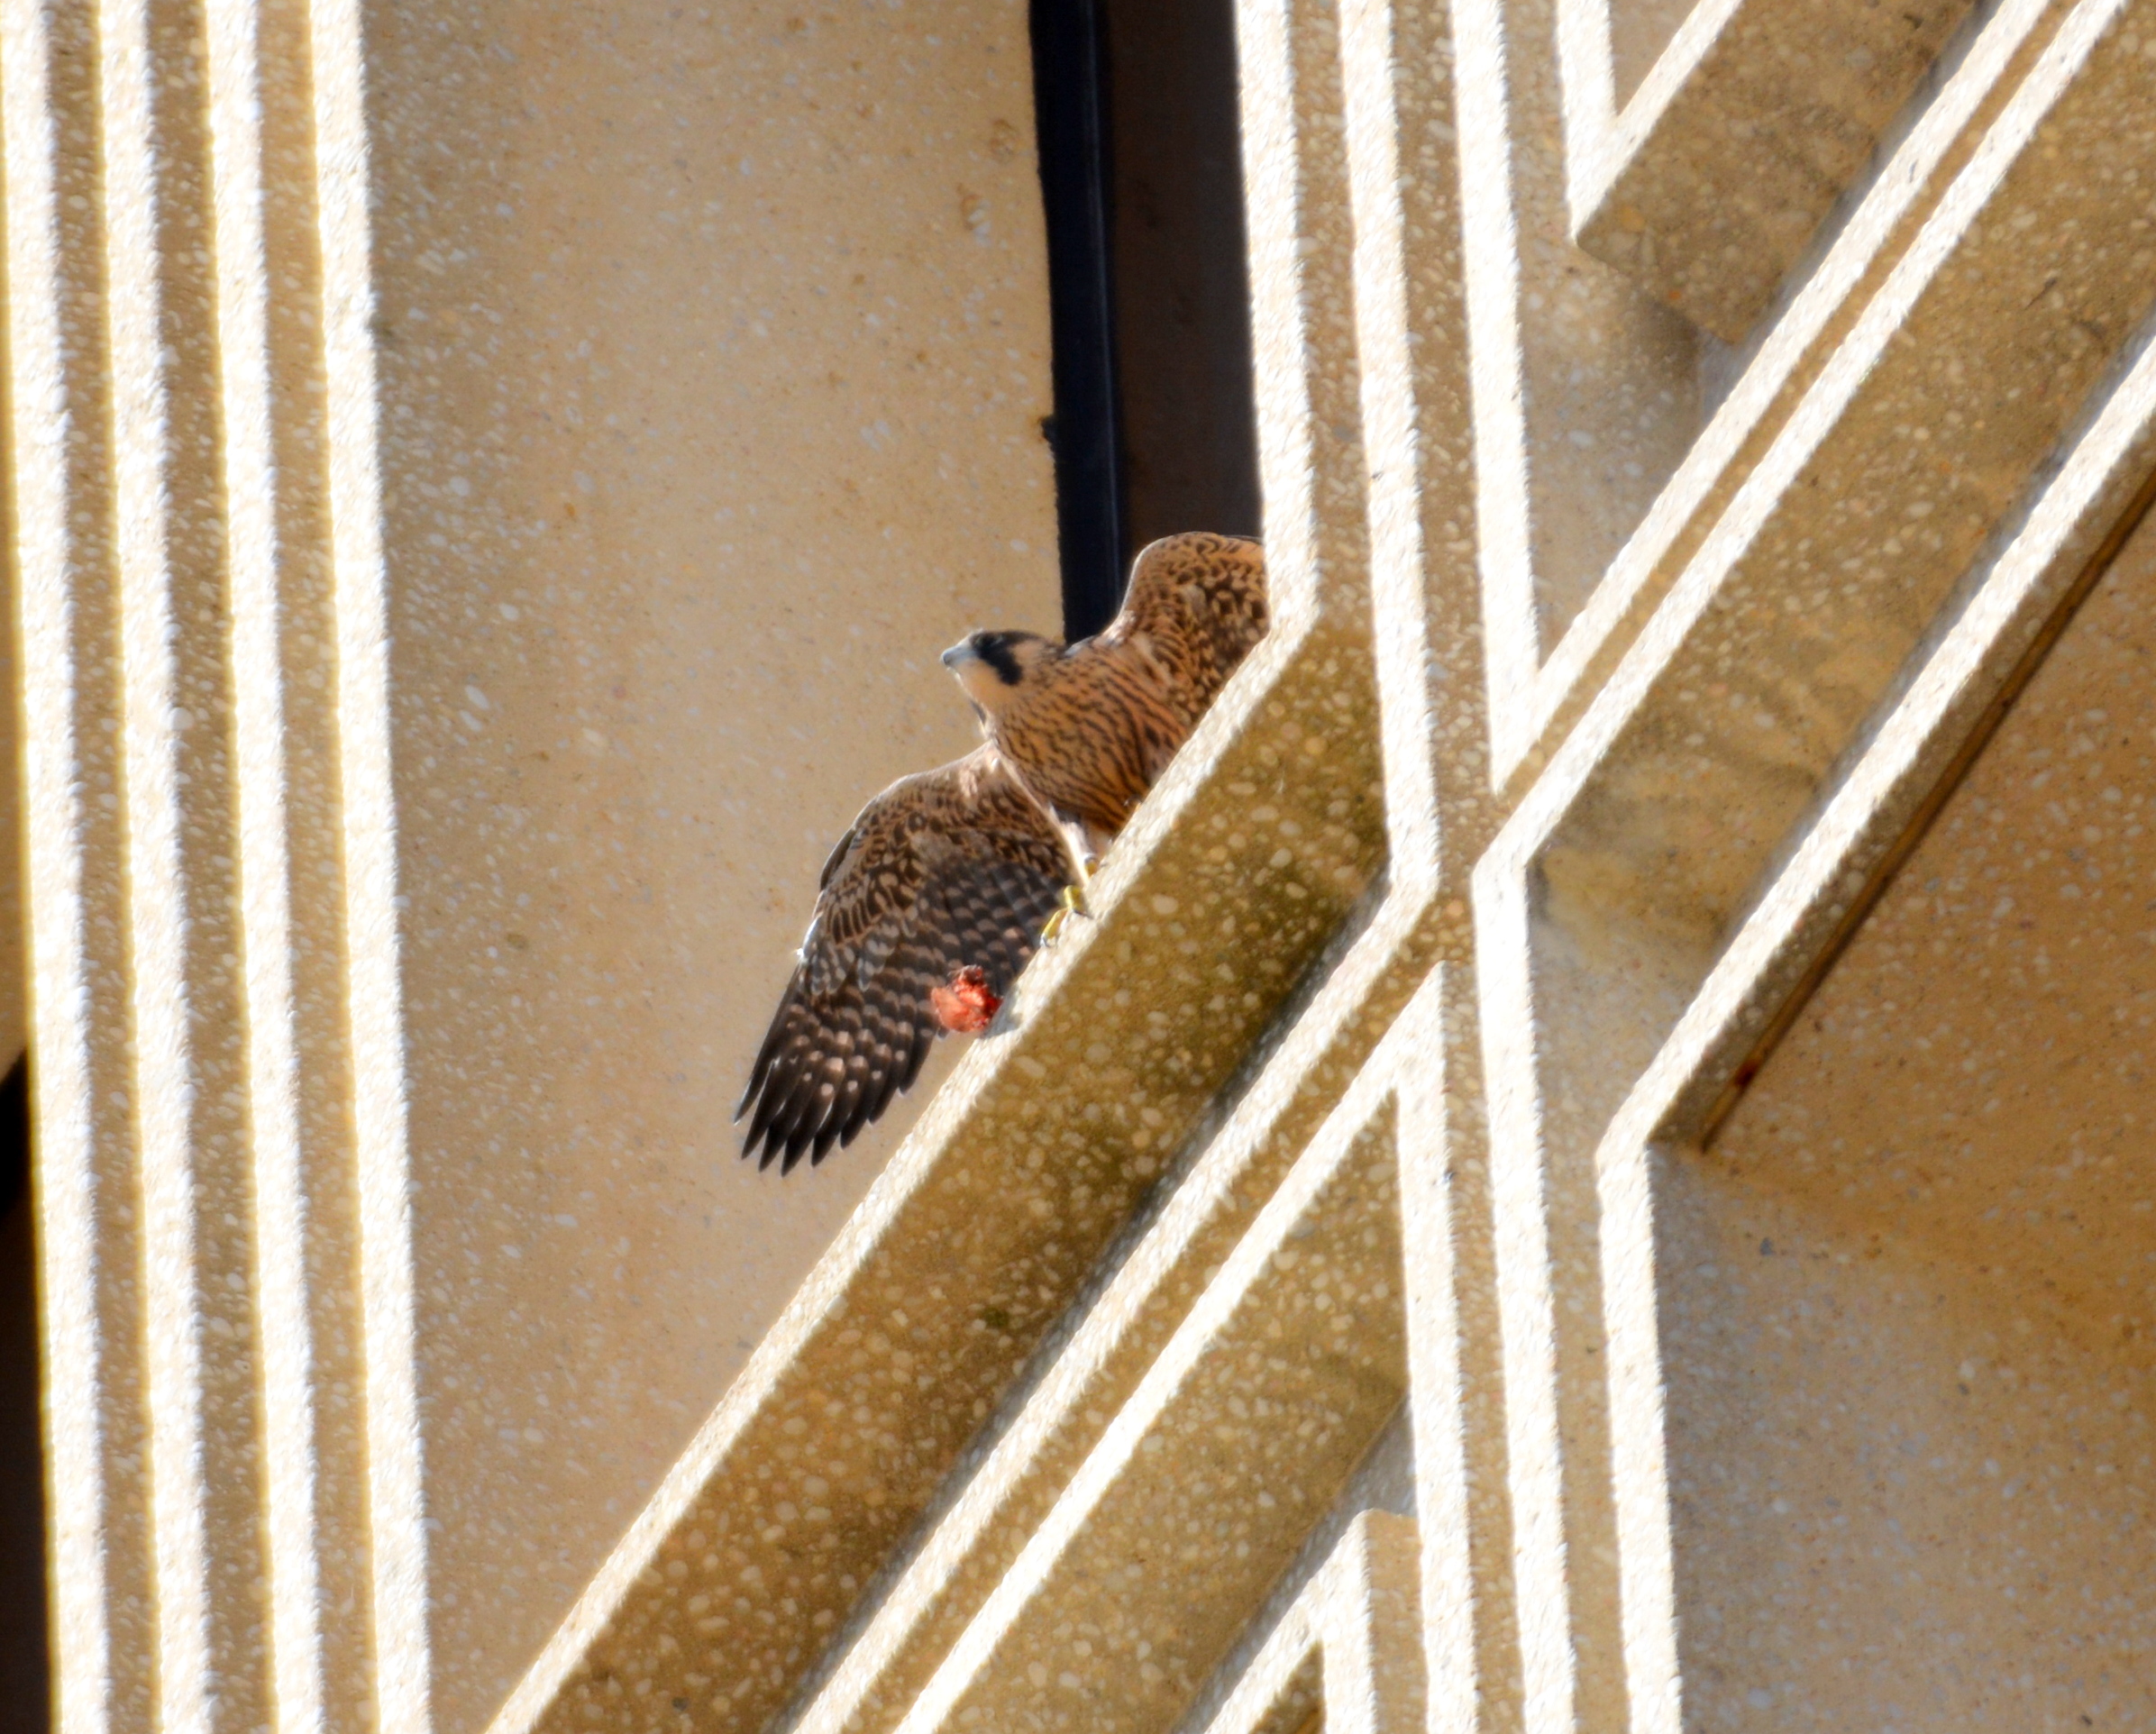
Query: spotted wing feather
952,867
1198,604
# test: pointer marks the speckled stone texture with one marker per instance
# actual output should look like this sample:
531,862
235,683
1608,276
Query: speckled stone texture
489,486
1589,1168
1703,160
1350,1649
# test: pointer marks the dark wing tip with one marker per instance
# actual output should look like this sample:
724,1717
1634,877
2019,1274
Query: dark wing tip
831,1065
838,1052
774,1039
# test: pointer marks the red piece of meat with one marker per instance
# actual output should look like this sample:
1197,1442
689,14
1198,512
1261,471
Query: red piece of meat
966,1005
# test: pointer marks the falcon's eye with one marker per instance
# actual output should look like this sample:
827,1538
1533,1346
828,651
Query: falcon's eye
995,650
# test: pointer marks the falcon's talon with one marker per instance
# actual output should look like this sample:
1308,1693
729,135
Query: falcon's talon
1072,904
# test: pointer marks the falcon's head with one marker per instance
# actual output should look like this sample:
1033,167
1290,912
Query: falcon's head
993,667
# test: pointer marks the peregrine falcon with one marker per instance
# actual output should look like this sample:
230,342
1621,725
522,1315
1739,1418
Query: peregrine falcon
939,891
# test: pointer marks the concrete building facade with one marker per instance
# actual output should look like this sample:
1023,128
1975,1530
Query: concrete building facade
1593,1168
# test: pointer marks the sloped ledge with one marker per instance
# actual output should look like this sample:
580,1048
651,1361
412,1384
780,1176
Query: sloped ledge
829,1446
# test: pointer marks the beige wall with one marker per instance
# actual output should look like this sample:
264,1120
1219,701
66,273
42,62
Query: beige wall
1908,1295
690,368
1900,1495
713,349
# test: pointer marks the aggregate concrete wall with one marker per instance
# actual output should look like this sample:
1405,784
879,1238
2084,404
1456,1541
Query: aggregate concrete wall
1621,1040
712,355
490,486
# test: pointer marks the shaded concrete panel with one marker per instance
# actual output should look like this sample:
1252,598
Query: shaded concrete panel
1587,391
1712,169
1975,1072
704,339
1639,32
1274,1674
1243,1434
1346,1655
1916,1268
1902,1493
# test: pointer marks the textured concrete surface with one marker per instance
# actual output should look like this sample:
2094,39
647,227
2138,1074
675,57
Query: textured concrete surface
1702,172
489,490
710,384
1351,1649
1587,1169
1916,1266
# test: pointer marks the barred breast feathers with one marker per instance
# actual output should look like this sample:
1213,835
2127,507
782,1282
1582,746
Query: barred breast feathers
1091,730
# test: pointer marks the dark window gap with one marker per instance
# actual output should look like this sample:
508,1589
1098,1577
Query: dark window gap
24,1631
1155,428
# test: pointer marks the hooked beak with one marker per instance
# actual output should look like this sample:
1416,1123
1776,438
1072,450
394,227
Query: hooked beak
959,655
